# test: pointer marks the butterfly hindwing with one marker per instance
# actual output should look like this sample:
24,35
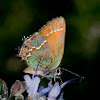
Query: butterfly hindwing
37,49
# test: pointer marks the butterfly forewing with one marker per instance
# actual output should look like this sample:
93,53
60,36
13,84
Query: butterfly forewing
54,31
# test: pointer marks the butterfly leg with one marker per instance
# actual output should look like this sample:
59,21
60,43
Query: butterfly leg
48,77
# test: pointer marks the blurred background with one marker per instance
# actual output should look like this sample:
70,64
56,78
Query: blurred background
20,18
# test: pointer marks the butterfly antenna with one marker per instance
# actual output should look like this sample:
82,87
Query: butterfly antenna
73,73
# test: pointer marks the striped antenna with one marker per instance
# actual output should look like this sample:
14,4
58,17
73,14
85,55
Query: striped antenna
73,73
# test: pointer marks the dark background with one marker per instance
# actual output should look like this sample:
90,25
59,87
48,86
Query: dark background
82,44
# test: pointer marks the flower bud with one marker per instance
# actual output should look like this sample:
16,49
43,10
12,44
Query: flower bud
18,88
3,90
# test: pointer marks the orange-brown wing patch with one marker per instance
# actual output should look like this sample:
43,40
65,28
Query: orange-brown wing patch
54,31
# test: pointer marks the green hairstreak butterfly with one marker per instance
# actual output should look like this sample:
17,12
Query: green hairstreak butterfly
45,46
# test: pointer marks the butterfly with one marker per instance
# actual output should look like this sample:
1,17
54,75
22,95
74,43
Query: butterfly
45,46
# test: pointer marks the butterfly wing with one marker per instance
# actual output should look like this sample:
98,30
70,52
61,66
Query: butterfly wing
54,32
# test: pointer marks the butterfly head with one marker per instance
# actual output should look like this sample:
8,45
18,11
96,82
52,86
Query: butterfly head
24,52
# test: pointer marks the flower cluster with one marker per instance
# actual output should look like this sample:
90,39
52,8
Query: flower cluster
40,93
52,92
31,85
